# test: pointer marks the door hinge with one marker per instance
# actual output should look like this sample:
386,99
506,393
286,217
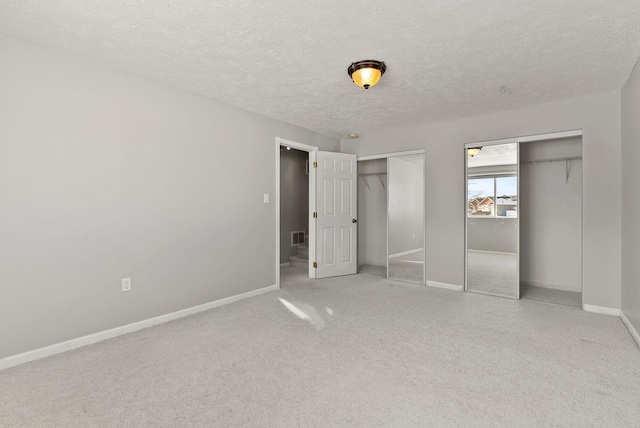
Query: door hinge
315,215
315,265
315,164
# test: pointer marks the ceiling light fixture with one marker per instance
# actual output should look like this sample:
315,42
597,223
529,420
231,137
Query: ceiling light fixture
473,151
353,135
366,73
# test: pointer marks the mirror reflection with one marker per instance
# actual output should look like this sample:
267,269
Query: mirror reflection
406,218
492,220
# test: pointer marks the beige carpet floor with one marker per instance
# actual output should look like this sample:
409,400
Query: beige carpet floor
356,351
492,273
373,270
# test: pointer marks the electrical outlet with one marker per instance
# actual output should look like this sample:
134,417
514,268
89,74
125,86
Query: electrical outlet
126,284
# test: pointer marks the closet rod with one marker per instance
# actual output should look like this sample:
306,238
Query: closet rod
570,158
372,173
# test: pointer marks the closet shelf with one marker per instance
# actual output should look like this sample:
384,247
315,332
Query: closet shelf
566,161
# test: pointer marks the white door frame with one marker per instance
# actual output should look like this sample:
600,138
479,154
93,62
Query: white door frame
312,150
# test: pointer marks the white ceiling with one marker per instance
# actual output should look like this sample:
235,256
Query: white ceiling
288,59
497,154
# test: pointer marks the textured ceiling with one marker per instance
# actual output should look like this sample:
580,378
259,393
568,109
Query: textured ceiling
287,59
498,154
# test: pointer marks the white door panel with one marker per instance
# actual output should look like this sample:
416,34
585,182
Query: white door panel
336,231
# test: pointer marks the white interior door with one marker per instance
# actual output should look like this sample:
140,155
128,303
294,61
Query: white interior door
336,207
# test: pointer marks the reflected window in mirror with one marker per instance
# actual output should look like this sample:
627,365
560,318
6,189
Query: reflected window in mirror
507,196
492,196
480,197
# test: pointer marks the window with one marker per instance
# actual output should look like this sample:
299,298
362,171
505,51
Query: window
492,196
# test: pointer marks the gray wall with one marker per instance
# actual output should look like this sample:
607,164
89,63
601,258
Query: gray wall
597,115
294,199
551,216
372,214
631,198
105,175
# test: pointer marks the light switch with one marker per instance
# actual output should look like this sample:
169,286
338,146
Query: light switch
266,198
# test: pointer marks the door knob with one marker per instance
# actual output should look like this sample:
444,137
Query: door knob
354,221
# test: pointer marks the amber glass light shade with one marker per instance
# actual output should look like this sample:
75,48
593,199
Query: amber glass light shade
366,77
366,73
473,151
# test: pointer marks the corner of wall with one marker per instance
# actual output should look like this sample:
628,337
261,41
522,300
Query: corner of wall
630,175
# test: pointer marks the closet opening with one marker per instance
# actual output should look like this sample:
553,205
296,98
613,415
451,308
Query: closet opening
391,206
524,229
372,217
551,221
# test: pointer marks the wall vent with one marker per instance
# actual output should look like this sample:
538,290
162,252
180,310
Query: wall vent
297,238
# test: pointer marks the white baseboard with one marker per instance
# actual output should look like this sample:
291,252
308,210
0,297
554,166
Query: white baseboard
445,285
632,330
285,264
68,345
601,310
551,286
491,252
406,253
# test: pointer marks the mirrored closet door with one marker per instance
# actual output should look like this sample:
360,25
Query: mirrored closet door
405,247
492,219
391,216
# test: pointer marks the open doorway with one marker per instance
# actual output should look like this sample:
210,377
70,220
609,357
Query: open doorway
294,208
296,175
331,234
